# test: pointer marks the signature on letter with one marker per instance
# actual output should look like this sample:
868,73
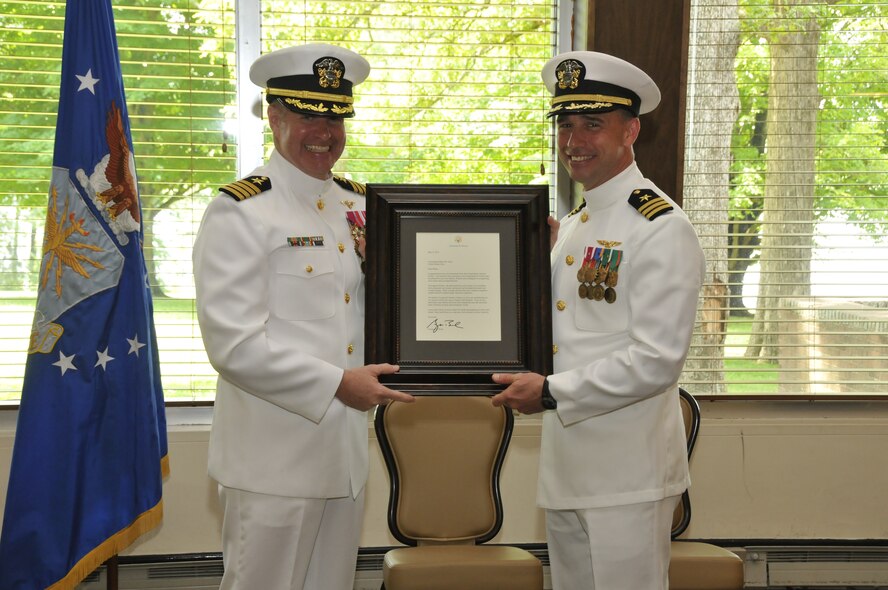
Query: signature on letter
435,325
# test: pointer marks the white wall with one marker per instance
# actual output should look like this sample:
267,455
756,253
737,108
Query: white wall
761,470
791,470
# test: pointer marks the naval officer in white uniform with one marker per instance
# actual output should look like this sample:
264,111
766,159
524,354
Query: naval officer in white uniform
627,268
280,301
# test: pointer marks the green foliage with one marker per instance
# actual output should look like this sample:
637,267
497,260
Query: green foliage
454,96
852,128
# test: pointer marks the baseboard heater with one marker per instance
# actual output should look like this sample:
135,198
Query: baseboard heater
163,574
774,566
204,571
765,566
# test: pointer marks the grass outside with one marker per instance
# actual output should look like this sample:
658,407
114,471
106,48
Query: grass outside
187,375
742,375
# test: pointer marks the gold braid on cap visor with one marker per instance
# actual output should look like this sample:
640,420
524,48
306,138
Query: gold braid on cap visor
602,99
292,97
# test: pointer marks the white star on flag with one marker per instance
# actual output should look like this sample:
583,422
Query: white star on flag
87,82
65,362
104,358
135,345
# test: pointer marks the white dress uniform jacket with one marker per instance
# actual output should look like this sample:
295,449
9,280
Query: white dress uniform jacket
617,436
281,309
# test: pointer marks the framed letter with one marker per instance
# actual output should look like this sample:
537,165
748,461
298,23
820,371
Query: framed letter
458,284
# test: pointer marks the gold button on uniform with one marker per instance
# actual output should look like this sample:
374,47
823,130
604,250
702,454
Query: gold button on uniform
561,305
320,204
347,298
341,246
569,260
309,269
583,218
351,348
554,349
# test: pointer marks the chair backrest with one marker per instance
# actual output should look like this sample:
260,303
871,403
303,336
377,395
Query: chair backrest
690,411
444,456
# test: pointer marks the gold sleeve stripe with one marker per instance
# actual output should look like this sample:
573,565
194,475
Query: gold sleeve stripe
653,207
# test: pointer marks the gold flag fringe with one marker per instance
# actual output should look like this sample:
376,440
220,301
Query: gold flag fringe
116,543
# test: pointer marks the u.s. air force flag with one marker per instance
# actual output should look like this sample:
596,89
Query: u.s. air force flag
90,446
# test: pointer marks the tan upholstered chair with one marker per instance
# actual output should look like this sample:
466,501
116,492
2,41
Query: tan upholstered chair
444,455
694,565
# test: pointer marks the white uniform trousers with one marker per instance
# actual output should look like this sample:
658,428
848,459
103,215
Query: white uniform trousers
611,548
279,543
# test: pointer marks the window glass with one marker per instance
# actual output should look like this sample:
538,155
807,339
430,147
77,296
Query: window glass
787,184
454,96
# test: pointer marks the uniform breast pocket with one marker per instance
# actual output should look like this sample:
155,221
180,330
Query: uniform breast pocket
601,316
303,284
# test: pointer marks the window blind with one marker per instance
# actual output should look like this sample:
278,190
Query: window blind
176,65
454,93
454,97
787,183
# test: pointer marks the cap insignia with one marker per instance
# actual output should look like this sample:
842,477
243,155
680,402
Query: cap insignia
247,187
569,73
649,203
330,71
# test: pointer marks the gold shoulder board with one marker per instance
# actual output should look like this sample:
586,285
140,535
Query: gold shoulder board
350,185
247,187
577,209
649,203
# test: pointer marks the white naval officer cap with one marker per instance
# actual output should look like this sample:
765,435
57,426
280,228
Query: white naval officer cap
313,79
592,82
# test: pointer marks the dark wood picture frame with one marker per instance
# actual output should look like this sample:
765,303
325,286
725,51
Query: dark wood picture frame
434,357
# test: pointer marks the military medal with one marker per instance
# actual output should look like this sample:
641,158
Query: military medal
595,269
586,274
357,221
599,274
613,275
583,291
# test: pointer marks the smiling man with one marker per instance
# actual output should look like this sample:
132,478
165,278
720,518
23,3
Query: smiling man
627,268
280,301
